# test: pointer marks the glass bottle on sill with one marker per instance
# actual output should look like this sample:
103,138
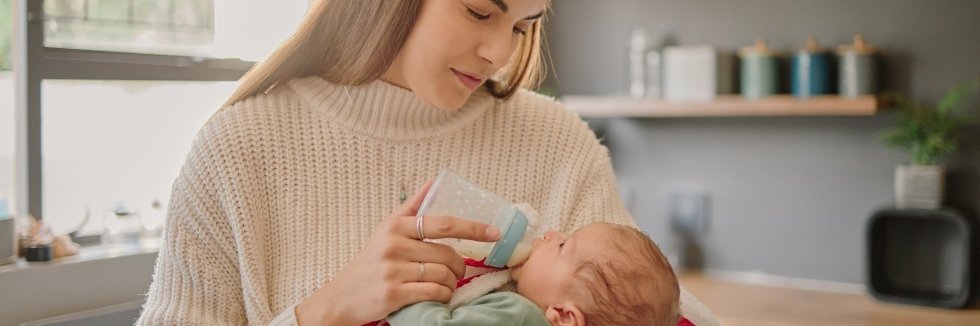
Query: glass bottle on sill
122,228
152,226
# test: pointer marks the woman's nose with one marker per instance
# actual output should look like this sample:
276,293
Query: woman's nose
497,49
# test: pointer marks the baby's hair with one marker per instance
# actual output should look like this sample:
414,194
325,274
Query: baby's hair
633,286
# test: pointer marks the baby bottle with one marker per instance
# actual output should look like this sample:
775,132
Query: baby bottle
452,195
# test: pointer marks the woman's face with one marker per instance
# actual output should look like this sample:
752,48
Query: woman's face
456,45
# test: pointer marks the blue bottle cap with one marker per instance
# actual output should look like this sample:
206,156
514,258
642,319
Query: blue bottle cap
509,238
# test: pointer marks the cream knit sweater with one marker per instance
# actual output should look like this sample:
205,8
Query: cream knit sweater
280,191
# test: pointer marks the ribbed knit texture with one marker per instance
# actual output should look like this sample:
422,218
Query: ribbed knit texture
280,191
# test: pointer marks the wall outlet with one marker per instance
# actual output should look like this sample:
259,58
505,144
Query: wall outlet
690,211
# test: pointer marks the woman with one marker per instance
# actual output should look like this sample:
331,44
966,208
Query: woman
279,214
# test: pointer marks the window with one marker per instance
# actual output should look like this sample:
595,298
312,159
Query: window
6,105
6,137
117,143
124,86
166,26
205,28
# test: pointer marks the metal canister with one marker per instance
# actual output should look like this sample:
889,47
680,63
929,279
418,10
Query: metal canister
858,69
760,71
811,70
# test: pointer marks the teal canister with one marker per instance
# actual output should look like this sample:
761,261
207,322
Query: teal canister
811,70
760,71
857,68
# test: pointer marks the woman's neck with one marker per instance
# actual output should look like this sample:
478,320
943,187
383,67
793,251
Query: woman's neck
385,110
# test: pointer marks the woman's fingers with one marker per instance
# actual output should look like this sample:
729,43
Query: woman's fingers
431,273
441,227
398,246
434,253
437,227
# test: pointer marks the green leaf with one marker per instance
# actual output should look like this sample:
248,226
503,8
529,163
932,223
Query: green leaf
957,95
927,132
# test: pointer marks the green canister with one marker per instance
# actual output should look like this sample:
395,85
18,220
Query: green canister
760,71
857,68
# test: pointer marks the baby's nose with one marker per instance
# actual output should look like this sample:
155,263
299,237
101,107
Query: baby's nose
552,235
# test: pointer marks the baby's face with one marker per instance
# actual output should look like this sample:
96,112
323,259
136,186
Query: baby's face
554,258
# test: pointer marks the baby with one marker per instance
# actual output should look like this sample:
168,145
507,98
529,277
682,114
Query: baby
601,274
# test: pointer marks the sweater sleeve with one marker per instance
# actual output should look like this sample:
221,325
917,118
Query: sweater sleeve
197,279
499,308
596,195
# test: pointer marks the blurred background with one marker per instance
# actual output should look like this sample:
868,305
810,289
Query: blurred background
776,207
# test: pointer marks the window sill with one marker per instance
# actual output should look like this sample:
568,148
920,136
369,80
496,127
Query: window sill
97,277
86,254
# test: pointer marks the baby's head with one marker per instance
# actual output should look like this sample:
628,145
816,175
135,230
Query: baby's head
603,273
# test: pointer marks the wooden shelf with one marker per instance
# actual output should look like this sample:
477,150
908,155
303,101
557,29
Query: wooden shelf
723,106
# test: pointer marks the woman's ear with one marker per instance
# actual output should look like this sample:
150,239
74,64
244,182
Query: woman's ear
565,314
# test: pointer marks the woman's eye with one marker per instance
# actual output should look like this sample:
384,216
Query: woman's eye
477,15
518,30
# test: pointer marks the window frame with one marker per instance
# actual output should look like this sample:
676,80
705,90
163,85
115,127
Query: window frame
33,63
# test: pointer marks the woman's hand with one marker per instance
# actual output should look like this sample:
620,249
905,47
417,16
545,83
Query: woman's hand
385,275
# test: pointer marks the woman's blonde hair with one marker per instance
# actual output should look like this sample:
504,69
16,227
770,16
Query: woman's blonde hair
353,42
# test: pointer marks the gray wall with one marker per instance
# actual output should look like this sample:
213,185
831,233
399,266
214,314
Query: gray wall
790,196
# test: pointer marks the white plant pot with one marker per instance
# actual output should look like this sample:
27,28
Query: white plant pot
919,186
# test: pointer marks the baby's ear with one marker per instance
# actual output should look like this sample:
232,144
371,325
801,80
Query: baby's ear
565,314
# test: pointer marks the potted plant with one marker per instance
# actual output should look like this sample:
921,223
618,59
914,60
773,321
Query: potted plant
928,133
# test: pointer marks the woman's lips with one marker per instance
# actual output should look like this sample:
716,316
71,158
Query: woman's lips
469,81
